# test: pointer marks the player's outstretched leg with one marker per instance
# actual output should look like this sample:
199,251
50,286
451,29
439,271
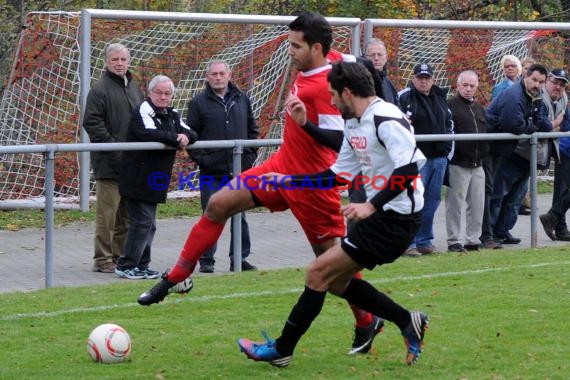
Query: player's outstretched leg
414,336
264,351
163,288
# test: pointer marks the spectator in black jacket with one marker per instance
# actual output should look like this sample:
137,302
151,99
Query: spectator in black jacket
466,175
222,112
377,53
425,105
110,104
145,174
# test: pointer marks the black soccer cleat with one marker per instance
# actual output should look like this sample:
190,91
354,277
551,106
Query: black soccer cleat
163,288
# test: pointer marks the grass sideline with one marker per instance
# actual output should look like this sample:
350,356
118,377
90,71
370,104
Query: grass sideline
494,315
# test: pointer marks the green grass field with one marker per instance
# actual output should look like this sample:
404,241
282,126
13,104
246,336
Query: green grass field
494,315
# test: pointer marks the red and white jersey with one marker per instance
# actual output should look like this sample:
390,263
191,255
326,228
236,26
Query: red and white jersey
300,153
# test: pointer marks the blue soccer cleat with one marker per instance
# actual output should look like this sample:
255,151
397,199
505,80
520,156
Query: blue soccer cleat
264,352
414,336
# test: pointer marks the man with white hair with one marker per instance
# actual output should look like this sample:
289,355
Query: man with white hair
110,104
145,174
377,53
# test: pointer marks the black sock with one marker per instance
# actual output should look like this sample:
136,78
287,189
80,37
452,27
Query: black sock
302,315
367,297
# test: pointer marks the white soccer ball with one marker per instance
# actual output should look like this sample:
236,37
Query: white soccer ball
109,343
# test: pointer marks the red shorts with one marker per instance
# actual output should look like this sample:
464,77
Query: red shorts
318,211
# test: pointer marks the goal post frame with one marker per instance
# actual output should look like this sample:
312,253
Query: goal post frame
87,15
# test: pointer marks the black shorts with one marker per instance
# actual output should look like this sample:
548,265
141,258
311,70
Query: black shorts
381,238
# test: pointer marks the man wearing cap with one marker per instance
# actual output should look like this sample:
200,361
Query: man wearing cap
425,105
519,109
556,100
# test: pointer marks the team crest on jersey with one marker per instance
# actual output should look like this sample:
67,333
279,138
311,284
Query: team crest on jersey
358,142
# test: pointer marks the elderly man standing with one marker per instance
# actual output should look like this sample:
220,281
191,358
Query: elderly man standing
519,109
556,100
145,174
110,104
222,112
425,105
377,53
466,174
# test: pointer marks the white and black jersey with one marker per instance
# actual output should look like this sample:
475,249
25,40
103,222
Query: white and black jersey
376,144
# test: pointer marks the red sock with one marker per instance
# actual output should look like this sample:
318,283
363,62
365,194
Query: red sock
363,318
202,236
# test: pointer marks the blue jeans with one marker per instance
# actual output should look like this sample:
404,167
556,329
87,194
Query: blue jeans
142,226
432,174
510,186
206,191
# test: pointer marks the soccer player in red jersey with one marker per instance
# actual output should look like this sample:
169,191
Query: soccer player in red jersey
312,137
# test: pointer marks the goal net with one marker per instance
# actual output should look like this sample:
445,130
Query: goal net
40,104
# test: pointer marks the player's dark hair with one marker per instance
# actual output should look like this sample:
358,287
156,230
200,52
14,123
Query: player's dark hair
351,75
537,67
315,28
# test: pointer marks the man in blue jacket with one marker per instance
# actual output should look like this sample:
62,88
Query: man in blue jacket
519,109
222,112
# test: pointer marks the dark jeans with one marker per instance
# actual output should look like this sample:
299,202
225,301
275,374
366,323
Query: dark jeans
142,226
509,188
561,186
489,165
207,258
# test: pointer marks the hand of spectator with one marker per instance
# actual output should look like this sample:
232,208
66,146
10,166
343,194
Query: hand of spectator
354,212
296,108
557,121
182,141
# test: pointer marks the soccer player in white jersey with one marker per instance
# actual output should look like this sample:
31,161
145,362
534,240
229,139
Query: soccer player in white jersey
379,142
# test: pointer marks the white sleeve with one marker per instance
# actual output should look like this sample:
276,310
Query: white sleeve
346,161
400,144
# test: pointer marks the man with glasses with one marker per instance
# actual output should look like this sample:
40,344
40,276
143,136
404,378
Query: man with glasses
556,101
512,70
222,112
145,174
425,105
377,53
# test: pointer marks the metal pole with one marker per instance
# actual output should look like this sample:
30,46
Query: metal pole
533,190
48,192
84,85
236,219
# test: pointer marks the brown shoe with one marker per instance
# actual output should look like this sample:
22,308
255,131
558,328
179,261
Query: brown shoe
104,268
412,252
491,244
427,250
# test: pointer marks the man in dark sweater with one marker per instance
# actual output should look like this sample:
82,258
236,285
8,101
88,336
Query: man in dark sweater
466,174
